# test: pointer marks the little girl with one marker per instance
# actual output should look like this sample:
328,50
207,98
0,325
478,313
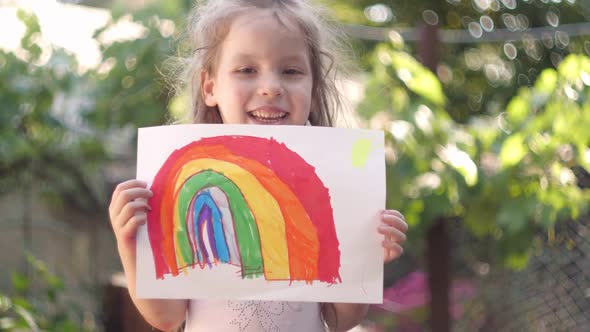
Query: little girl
253,62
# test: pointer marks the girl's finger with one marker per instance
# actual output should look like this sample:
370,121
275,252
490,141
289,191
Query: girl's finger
129,210
129,231
395,221
391,256
127,185
126,196
389,244
394,213
393,233
391,251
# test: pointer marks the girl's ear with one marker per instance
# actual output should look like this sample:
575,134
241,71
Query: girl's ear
208,88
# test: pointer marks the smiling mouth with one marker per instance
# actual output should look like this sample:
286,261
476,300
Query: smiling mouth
268,115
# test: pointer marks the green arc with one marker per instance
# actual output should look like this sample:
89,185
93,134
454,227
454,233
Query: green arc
246,229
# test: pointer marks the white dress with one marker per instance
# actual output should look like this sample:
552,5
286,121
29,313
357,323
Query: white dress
253,316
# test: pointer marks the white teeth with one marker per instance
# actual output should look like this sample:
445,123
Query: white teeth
268,115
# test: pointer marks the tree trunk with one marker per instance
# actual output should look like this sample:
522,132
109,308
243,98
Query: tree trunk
438,257
438,243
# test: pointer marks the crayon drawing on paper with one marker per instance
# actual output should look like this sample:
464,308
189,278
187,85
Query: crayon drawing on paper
246,201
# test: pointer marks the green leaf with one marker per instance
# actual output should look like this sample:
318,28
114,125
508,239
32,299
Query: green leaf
467,168
346,13
68,326
413,210
516,248
480,219
513,215
54,282
27,317
548,217
7,323
547,81
517,260
518,110
513,150
20,282
571,67
418,78
5,303
19,301
562,124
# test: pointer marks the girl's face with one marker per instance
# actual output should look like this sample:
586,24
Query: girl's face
263,73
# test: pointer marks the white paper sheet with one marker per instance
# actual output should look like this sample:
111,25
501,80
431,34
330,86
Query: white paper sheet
348,162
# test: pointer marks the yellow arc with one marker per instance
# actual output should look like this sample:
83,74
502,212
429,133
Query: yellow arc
265,209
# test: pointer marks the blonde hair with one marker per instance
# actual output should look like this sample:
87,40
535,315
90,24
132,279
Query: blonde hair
208,25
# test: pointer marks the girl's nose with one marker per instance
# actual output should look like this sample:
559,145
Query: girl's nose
270,87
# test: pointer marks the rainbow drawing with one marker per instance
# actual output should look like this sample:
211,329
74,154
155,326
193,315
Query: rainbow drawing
246,201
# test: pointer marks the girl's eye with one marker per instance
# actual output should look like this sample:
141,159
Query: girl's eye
292,71
246,70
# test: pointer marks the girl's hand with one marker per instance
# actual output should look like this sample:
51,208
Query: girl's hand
127,210
393,227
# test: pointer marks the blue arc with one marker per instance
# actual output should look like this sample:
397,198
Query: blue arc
205,199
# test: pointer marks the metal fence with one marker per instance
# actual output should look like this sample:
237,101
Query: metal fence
551,294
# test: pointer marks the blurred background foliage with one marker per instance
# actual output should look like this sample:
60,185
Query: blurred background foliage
502,51
41,141
495,138
503,176
48,310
